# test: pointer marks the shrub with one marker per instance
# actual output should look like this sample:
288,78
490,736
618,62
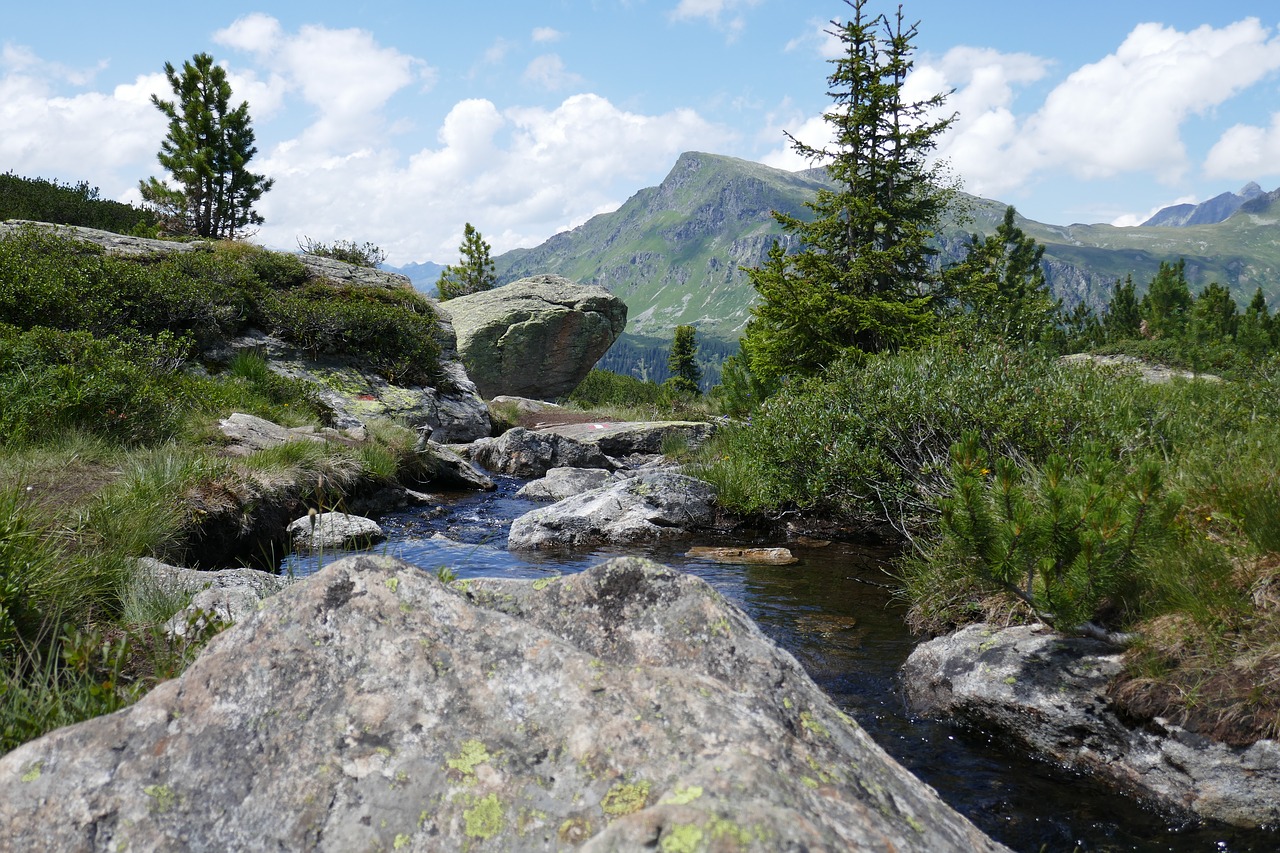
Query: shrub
348,251
394,330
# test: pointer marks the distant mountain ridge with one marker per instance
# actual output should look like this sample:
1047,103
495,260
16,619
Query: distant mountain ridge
423,275
1215,210
675,252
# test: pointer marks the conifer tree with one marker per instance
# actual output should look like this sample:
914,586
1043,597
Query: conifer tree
685,373
474,271
207,152
1167,302
1123,320
862,278
1001,286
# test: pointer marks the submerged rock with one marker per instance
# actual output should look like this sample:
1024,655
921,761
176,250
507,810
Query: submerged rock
643,508
373,707
759,556
1048,692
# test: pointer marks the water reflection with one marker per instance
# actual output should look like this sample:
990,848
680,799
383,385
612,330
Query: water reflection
834,612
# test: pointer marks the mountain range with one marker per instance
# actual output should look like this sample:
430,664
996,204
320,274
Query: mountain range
675,252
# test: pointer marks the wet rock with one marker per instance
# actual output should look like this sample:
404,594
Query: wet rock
522,453
373,707
1049,692
644,508
333,531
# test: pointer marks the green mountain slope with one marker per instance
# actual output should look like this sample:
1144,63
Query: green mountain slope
674,252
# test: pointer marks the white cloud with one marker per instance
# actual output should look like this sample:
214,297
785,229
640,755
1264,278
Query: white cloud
548,72
546,34
723,14
1246,152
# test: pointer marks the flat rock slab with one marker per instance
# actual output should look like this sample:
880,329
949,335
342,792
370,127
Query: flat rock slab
1048,692
373,707
757,556
626,438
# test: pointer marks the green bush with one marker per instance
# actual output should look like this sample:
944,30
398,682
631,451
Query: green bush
394,330
347,251
41,200
605,388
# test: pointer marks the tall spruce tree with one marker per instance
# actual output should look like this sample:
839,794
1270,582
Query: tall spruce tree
474,271
1123,320
685,373
1167,302
207,151
862,278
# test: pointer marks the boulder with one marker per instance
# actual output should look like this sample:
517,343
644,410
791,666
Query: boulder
522,453
1154,374
444,469
1048,692
247,434
651,506
225,596
643,438
561,483
373,707
333,531
537,337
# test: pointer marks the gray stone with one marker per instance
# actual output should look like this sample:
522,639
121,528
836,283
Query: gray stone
561,483
333,531
1155,374
643,438
224,596
537,337
373,707
443,468
748,556
247,434
345,273
122,245
652,506
522,453
1048,692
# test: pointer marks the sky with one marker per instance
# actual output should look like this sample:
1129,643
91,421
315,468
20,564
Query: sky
396,123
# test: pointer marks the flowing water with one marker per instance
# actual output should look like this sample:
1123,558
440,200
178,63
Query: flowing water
833,611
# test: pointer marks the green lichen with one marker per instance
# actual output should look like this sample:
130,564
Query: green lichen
162,798
472,755
574,830
809,781
625,798
392,583
787,703
681,838
33,772
813,726
401,842
1011,680
683,796
542,583
914,823
484,820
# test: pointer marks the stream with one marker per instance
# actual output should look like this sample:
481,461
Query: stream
833,611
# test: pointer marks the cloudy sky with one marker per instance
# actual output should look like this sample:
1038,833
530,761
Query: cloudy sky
396,123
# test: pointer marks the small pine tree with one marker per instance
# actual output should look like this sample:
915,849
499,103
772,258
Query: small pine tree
474,271
1167,302
207,151
1123,320
685,373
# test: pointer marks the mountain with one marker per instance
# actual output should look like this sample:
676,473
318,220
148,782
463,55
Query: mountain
1208,212
424,276
674,252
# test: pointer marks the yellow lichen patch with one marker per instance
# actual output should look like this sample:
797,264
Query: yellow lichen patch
484,819
542,583
574,830
813,726
683,796
473,754
162,798
392,583
33,772
682,838
625,798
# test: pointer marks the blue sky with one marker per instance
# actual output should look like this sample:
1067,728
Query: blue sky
396,123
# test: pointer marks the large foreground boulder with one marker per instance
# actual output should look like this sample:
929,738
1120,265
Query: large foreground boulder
373,707
522,453
629,438
658,505
537,337
1048,693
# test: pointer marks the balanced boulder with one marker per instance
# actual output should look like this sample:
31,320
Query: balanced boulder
537,337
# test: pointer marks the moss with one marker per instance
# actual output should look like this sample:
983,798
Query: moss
625,798
472,755
484,820
682,838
